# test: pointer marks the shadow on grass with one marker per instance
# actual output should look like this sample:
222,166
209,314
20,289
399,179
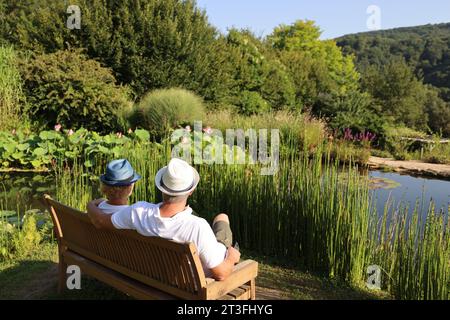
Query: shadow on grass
37,280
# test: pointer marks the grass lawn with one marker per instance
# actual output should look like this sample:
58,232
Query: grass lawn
35,277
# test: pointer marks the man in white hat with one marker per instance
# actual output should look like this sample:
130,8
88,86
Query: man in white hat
173,219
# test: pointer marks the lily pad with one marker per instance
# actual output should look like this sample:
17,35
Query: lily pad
383,183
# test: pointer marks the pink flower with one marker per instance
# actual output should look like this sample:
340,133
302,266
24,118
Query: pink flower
119,135
188,128
185,140
58,127
130,131
70,132
207,130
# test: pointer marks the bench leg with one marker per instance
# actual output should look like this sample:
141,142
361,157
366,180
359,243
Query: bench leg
62,274
252,290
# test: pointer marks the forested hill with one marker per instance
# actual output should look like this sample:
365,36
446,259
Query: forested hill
427,48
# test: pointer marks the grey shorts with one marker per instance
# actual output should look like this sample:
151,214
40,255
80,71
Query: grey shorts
223,233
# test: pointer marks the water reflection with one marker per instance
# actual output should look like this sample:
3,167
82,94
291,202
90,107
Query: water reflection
24,191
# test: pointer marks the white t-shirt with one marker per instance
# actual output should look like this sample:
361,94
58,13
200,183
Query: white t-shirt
109,208
184,227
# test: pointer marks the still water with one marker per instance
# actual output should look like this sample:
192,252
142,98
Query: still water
398,188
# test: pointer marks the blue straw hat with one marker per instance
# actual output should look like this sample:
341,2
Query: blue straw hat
119,173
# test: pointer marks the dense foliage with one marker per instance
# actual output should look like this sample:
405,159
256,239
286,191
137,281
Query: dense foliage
11,93
148,44
66,88
384,55
426,48
160,44
46,149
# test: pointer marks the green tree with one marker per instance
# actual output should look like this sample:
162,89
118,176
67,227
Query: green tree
258,70
398,92
304,36
438,112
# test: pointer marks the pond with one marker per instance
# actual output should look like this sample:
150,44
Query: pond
387,186
24,191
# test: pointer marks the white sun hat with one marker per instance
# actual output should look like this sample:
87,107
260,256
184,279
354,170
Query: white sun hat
178,178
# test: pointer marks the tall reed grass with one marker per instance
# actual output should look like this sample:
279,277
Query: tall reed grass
316,213
10,89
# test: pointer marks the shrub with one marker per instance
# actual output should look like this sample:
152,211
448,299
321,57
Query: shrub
11,94
162,110
66,88
28,238
252,103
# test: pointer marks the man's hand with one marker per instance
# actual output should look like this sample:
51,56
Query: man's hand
223,270
98,218
233,255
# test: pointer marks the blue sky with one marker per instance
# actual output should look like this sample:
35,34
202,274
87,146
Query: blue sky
335,18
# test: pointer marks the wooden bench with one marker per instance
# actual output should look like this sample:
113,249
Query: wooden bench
142,267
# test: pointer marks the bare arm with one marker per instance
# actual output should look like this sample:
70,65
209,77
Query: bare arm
223,270
99,219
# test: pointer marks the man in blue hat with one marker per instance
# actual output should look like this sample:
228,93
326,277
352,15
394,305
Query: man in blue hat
117,185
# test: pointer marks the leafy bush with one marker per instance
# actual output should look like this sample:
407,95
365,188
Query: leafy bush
438,152
28,237
162,110
11,94
21,234
252,103
353,110
66,88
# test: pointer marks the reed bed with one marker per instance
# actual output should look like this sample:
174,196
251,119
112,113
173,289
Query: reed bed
312,211
11,94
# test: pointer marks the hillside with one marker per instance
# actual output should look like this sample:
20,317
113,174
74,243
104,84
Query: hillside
427,48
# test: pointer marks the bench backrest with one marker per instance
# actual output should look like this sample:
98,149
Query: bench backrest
171,267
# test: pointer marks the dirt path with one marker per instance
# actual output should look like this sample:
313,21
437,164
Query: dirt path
413,167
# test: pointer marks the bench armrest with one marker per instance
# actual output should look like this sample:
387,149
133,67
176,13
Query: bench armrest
242,273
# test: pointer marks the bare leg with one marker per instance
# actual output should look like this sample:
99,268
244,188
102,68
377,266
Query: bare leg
222,230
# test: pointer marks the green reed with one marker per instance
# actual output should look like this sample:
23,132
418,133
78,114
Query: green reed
313,212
